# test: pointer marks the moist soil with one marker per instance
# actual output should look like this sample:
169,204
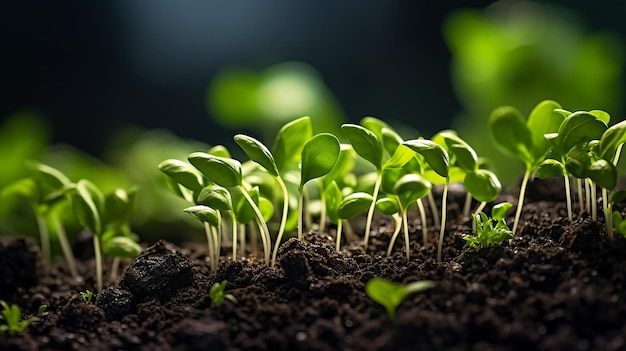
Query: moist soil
556,286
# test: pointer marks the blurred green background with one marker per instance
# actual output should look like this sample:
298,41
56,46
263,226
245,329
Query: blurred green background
105,90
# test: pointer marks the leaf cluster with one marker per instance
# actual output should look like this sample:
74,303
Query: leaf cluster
490,231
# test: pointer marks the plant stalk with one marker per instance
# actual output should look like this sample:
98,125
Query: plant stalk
283,219
478,209
339,228
467,205
370,212
520,202
444,199
579,188
211,246
422,211
66,247
608,213
405,225
234,226
396,231
594,200
433,209
568,197
115,265
300,210
44,237
98,256
265,232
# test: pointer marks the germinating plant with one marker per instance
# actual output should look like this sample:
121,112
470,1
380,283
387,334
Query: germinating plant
390,294
490,231
86,296
12,315
217,295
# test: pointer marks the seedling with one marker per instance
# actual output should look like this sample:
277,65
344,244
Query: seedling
86,295
490,231
525,140
390,294
217,295
13,318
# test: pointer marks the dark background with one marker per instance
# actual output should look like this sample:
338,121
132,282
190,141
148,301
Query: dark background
91,67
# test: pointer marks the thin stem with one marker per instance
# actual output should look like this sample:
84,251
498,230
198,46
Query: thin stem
467,205
396,231
433,209
339,228
370,212
115,265
265,232
568,197
443,221
308,221
66,247
283,219
211,246
608,213
588,196
405,225
594,200
44,237
233,223
300,205
322,226
618,152
422,211
242,238
98,256
579,188
520,202
218,244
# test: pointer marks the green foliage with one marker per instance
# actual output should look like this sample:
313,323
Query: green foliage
13,318
217,295
86,296
390,294
490,231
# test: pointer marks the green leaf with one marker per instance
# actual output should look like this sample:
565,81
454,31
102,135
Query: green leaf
219,151
266,207
390,294
611,139
51,177
26,188
221,171
85,208
290,141
577,161
365,143
603,173
483,184
543,119
410,188
387,205
216,197
354,204
204,214
465,155
435,155
499,211
182,173
578,128
319,156
243,211
344,166
618,196
549,168
119,206
601,115
390,177
511,134
333,197
257,152
391,140
121,246
401,156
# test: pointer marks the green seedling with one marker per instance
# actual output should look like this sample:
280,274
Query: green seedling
86,296
439,161
490,231
389,206
390,294
525,140
13,318
217,295
351,206
45,191
319,156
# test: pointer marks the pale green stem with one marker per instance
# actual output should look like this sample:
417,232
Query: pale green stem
66,247
520,202
98,256
218,244
265,232
579,189
422,211
608,213
300,209
211,246
283,220
234,234
433,209
405,225
308,220
396,231
444,199
617,154
242,238
568,197
594,200
349,232
588,196
322,226
339,228
44,237
370,212
254,239
115,265
468,204
478,209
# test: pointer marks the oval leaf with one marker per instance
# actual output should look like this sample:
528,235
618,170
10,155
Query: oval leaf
387,205
290,140
465,155
435,155
410,188
603,173
483,184
543,119
332,194
549,168
216,197
354,204
611,139
257,152
319,156
511,134
578,128
204,214
499,211
221,171
365,143
121,246
182,173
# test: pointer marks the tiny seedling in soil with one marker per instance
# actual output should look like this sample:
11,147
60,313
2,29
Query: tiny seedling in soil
390,294
488,234
13,318
86,296
217,295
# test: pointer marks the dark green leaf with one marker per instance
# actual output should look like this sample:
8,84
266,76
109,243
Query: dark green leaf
410,188
221,171
483,184
435,155
354,204
549,168
319,156
204,214
290,140
216,197
465,155
543,119
511,134
499,211
387,205
182,173
580,127
365,143
257,152
611,139
390,177
603,173
618,196
577,161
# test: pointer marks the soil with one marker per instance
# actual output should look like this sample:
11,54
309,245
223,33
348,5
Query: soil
556,286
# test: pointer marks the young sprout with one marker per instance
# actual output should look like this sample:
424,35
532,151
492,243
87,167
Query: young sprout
318,158
390,294
525,140
86,296
488,234
217,295
211,220
388,206
13,318
349,207
610,145
437,158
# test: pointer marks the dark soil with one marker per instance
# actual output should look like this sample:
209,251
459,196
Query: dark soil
557,286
